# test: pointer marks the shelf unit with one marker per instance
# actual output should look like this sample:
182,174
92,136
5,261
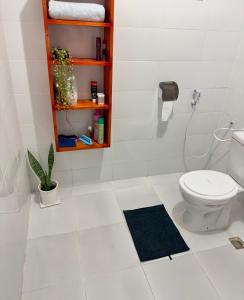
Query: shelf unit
81,146
79,23
88,62
84,104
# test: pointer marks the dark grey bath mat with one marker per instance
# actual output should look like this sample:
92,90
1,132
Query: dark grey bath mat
154,233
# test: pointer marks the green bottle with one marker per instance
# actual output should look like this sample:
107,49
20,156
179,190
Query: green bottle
100,125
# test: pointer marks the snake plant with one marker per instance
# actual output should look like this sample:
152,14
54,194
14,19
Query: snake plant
45,177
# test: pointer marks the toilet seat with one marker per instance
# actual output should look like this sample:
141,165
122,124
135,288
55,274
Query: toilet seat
208,187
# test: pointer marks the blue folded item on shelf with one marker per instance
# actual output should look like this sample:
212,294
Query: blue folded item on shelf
67,140
86,140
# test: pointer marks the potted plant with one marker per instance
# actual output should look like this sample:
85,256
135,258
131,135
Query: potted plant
65,85
47,187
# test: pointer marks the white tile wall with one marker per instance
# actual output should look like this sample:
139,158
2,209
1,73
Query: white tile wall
221,45
14,185
142,44
178,14
236,108
199,44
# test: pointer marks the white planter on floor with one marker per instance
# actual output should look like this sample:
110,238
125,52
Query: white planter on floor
49,198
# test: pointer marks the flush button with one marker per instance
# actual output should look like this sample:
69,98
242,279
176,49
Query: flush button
237,243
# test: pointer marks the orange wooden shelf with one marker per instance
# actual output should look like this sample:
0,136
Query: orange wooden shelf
81,146
107,28
78,23
83,105
88,62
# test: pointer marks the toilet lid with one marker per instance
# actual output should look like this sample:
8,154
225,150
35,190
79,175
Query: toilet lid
209,183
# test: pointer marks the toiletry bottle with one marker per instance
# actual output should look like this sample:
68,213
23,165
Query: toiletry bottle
100,99
98,48
89,131
94,91
101,130
96,116
104,50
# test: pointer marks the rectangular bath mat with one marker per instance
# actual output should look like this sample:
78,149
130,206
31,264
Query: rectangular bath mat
154,233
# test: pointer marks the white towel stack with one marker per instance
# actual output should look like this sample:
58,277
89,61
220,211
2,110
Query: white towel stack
76,11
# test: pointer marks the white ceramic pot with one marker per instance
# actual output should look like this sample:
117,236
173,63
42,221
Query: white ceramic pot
49,197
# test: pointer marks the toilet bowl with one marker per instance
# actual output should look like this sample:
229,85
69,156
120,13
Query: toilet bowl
208,199
209,195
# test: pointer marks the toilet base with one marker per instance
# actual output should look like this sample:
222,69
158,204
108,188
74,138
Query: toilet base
202,219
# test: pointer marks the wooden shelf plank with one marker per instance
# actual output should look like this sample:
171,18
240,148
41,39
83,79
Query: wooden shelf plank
81,146
79,23
83,105
87,62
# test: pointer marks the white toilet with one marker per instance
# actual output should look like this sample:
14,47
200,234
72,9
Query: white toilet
209,195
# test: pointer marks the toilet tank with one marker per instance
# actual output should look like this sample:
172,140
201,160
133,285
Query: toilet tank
236,159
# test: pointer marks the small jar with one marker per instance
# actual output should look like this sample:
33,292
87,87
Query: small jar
100,99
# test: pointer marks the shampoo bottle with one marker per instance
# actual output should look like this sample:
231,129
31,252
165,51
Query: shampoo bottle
101,130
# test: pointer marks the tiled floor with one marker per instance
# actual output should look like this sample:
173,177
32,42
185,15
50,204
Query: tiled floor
82,249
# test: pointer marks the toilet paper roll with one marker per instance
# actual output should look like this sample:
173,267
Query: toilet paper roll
168,94
170,90
167,110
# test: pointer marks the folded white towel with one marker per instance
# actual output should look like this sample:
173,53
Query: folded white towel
76,11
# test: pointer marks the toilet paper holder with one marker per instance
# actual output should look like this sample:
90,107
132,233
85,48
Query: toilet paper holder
170,90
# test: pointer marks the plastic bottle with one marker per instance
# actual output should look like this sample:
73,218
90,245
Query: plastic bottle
101,130
89,131
96,117
104,50
94,91
98,48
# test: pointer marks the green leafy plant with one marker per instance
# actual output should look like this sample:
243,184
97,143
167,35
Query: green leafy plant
64,73
45,177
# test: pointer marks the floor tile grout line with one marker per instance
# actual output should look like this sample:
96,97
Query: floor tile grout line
115,271
76,230
206,273
209,249
155,191
131,239
39,289
76,226
98,226
82,280
148,282
56,284
91,277
91,193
